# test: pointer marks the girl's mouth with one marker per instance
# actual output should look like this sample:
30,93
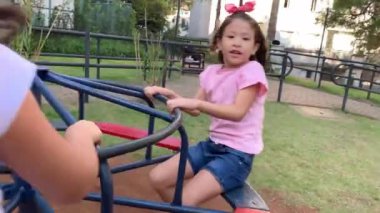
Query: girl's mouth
237,52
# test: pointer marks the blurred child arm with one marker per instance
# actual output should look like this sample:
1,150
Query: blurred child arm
233,112
64,170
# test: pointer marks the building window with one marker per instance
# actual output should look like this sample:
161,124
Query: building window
313,5
286,3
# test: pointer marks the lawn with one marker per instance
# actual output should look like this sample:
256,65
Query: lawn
332,88
331,165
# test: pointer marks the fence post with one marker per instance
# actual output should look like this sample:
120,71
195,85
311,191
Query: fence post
171,58
145,60
321,73
97,58
165,67
347,87
86,65
87,54
282,77
371,83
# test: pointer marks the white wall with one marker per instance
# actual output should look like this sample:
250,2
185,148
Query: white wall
200,19
50,4
184,15
203,15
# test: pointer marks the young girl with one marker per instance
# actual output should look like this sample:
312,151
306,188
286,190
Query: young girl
63,169
233,93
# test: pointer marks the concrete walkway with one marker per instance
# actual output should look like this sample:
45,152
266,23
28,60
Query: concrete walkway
188,84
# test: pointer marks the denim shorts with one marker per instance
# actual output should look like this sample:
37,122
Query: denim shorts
229,166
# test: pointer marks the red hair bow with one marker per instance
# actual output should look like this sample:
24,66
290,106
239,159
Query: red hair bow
247,7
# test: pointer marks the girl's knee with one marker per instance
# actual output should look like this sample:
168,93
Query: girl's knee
157,178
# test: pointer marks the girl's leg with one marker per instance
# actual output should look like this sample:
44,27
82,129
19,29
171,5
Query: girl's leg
164,177
202,187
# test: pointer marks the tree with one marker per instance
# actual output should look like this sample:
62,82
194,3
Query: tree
273,20
217,18
156,11
361,16
112,17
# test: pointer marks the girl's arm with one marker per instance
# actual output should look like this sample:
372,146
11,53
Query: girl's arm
201,95
64,170
233,112
170,94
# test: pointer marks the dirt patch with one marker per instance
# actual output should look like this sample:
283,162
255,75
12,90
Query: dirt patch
317,112
135,184
277,203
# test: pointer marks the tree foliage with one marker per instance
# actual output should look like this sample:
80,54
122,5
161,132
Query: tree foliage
114,17
361,16
156,11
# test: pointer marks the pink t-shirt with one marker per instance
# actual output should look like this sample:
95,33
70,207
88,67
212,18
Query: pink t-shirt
222,86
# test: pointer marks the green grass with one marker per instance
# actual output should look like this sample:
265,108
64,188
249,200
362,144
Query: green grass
130,76
331,165
332,88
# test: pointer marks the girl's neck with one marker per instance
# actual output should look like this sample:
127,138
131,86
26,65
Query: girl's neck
229,67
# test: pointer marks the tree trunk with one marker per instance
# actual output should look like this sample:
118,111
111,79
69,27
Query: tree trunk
217,18
273,20
177,18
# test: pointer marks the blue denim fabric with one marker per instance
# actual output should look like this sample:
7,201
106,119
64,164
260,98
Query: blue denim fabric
230,167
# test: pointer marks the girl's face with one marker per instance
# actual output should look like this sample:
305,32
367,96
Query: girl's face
237,43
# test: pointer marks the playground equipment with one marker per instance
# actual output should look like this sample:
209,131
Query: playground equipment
19,194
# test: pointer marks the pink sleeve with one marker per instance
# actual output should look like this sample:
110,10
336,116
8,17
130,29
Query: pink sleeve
253,74
203,77
16,77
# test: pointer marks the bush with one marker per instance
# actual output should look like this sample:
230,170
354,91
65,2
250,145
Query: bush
75,45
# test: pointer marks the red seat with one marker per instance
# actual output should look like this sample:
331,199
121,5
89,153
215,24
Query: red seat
135,133
248,210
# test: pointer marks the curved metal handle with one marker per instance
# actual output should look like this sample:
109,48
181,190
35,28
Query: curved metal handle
134,145
333,74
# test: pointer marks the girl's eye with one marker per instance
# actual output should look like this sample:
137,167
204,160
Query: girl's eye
230,36
246,39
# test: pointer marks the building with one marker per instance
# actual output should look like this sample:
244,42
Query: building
203,15
184,21
296,23
45,12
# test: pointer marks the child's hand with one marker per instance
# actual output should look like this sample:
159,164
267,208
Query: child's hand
150,91
183,103
82,129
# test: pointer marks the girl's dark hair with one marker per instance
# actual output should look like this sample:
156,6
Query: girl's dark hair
12,18
261,53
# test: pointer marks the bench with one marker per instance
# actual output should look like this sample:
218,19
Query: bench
243,199
193,58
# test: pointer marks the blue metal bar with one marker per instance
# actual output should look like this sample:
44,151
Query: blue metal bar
127,201
106,187
31,200
117,100
136,144
182,166
58,107
138,164
81,105
148,151
9,190
108,87
14,201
